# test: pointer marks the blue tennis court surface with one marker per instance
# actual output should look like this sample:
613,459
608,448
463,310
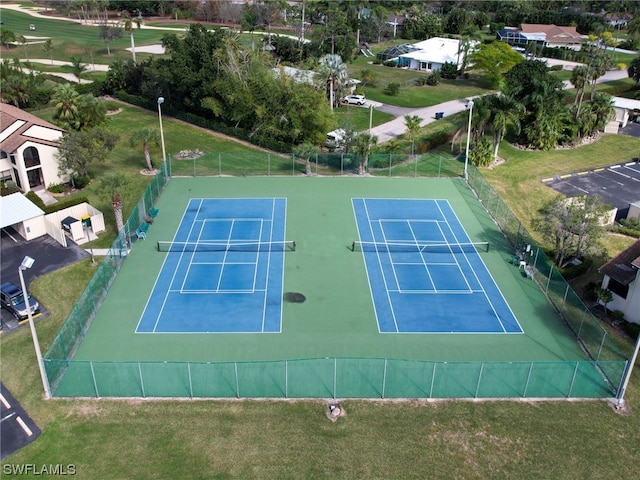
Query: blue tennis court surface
423,274
227,278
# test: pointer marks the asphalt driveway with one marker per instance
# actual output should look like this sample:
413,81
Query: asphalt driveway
48,254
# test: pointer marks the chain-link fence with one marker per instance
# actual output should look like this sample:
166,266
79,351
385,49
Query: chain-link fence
598,377
70,335
267,164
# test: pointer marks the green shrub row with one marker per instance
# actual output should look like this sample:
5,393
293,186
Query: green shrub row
59,205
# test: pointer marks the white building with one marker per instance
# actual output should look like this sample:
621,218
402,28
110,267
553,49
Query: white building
622,278
28,147
430,55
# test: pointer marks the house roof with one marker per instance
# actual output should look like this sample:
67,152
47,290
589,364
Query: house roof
435,50
551,33
624,267
16,208
626,103
16,128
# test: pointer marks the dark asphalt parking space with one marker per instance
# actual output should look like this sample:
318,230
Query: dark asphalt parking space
48,254
17,429
618,185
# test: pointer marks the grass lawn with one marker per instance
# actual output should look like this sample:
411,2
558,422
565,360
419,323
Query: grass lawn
127,439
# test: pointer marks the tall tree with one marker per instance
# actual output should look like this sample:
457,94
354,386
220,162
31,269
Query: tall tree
412,123
77,67
130,25
79,149
108,34
572,225
145,137
65,97
111,186
505,112
306,151
49,47
334,71
493,60
361,147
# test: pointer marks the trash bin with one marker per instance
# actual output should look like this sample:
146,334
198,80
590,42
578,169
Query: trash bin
86,220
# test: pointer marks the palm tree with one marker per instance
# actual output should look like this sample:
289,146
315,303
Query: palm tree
129,24
22,40
361,146
579,80
77,67
334,70
506,111
49,47
306,151
413,128
111,185
14,89
65,97
146,137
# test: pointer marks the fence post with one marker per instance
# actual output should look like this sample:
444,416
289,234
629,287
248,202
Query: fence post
433,379
573,379
415,167
335,374
390,157
219,164
384,377
286,379
141,380
564,298
526,385
604,337
479,379
95,383
190,382
584,314
549,280
235,367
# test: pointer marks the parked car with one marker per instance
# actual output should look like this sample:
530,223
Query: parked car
12,299
335,139
32,27
355,99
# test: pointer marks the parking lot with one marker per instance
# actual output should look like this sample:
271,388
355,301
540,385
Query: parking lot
49,256
618,185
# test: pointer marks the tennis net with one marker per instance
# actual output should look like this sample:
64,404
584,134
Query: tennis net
182,247
390,247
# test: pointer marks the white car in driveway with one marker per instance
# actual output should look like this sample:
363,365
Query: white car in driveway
355,100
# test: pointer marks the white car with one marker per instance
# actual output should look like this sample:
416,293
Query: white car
355,99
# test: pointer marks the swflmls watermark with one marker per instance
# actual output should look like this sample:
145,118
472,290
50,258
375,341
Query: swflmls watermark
38,469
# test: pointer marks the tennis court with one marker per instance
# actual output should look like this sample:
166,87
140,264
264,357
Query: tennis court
307,322
425,273
222,271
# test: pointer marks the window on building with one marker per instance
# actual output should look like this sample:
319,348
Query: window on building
618,288
31,157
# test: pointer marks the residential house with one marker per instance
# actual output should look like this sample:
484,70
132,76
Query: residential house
622,278
28,147
432,54
552,36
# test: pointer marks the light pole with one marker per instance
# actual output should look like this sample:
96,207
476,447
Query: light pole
27,262
164,152
88,234
466,154
370,117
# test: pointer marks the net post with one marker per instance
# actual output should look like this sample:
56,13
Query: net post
294,245
353,246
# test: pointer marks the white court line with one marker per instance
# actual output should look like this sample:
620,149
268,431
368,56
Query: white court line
155,283
393,313
175,271
424,260
490,279
266,280
389,254
469,289
4,401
